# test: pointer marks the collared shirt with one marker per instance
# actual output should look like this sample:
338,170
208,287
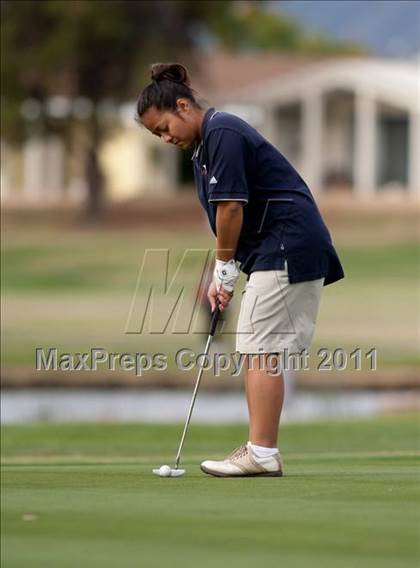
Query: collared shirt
281,220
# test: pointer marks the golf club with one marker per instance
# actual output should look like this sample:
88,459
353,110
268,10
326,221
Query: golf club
165,470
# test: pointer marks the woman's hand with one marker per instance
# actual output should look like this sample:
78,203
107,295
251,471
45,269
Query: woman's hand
221,298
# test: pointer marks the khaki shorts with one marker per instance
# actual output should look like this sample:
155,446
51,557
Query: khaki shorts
276,315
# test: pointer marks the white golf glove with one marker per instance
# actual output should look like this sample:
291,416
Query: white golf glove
226,274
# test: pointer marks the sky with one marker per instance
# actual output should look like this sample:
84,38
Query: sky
389,28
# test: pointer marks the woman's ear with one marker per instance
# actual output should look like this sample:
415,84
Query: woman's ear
182,105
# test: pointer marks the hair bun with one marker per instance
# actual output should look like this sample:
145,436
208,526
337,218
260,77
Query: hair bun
170,72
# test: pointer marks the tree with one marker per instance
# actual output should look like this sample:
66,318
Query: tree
250,26
95,49
102,49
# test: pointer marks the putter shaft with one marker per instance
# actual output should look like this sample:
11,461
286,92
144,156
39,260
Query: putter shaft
213,325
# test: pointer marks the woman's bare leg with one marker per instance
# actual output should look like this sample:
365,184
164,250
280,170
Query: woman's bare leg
265,394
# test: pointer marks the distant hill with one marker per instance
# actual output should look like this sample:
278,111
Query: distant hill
388,28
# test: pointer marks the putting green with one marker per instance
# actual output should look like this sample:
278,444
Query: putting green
84,495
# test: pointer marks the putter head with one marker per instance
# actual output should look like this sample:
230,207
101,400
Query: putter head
171,473
177,472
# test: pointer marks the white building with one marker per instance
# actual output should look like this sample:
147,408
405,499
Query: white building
350,123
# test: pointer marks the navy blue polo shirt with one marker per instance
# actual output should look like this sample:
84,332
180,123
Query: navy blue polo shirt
281,220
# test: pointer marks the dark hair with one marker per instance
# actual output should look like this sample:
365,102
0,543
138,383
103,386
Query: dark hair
170,81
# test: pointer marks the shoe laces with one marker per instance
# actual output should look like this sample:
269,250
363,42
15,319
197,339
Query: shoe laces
238,453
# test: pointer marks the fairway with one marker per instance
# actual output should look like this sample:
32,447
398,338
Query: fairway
348,498
89,277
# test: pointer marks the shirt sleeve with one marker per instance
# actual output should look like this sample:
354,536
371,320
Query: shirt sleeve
227,157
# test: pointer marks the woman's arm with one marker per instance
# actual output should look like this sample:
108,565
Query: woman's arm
229,218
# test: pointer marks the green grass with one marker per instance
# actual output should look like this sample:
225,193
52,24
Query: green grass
77,262
348,498
72,288
83,262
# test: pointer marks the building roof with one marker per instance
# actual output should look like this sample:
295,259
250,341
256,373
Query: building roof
278,79
220,72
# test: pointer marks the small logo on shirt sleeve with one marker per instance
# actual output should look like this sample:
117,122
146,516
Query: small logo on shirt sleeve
213,180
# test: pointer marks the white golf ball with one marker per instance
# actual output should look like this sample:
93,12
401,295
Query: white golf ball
165,471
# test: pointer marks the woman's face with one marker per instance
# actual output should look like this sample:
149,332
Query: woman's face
179,129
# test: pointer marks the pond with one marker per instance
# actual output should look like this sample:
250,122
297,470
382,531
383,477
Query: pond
91,405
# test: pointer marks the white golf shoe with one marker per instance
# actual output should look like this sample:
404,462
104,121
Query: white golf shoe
242,462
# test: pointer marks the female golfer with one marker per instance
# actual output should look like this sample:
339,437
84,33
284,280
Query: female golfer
265,218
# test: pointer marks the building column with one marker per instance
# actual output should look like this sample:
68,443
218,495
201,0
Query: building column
4,171
33,168
54,174
312,140
365,166
160,172
169,168
414,154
